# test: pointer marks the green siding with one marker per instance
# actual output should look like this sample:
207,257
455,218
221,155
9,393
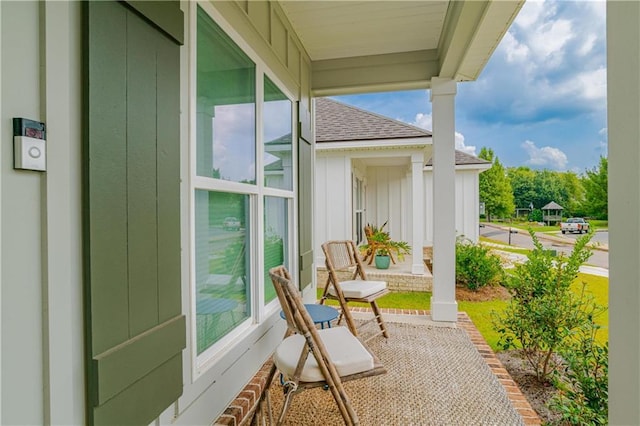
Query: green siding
141,176
305,194
107,179
168,185
135,330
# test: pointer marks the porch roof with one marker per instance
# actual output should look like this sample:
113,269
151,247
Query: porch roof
358,47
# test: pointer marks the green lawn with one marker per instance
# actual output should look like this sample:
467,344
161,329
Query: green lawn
599,224
504,247
481,312
536,228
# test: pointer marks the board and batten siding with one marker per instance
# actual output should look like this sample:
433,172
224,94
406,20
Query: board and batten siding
42,377
333,200
388,198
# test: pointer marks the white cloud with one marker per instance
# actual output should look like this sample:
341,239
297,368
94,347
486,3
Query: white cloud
460,146
550,65
548,41
531,12
425,121
546,156
588,85
587,45
514,50
603,144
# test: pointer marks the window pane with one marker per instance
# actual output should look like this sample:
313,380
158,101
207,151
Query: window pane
277,138
226,105
276,252
222,264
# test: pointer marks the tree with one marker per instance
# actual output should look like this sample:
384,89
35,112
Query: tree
524,191
573,193
595,182
495,188
548,186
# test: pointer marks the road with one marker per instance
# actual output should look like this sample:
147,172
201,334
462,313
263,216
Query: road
598,258
600,236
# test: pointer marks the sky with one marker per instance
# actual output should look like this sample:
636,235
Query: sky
541,99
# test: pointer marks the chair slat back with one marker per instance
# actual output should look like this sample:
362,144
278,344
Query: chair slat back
296,315
342,255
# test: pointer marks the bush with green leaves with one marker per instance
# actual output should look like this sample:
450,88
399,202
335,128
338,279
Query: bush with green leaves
583,395
544,312
476,266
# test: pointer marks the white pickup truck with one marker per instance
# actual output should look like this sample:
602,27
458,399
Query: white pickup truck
574,224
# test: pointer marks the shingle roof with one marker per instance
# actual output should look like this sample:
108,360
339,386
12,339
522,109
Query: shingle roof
463,158
337,122
553,206
282,140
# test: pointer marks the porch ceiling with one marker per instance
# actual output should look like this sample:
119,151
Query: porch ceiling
366,46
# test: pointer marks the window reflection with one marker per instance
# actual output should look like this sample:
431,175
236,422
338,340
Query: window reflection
225,109
276,225
277,138
222,264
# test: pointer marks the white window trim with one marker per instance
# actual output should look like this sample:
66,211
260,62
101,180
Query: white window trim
200,364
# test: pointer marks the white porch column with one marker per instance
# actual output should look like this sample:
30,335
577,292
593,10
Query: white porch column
443,301
417,196
623,98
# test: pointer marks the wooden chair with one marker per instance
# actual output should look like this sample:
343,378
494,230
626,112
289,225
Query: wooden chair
337,355
343,256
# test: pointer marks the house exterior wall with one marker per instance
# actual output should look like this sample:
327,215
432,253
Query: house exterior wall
42,336
42,360
388,198
467,199
333,199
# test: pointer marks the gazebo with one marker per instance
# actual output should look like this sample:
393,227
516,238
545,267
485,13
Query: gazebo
552,212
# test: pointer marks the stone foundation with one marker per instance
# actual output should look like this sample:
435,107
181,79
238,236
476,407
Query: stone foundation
396,281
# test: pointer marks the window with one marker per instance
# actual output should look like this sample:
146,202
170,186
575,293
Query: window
277,137
242,168
222,264
276,227
226,106
358,209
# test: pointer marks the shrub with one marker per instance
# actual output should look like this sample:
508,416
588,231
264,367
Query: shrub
535,216
475,266
583,395
544,311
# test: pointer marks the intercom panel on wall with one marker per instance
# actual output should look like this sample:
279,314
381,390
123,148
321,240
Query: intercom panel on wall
29,145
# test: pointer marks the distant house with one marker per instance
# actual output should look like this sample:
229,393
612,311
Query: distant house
364,174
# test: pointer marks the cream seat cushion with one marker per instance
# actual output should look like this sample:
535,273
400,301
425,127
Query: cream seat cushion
356,289
345,350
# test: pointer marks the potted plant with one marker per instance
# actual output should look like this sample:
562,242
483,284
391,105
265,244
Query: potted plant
381,247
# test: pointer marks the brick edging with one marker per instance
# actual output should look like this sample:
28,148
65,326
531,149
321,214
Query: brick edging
242,408
515,395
